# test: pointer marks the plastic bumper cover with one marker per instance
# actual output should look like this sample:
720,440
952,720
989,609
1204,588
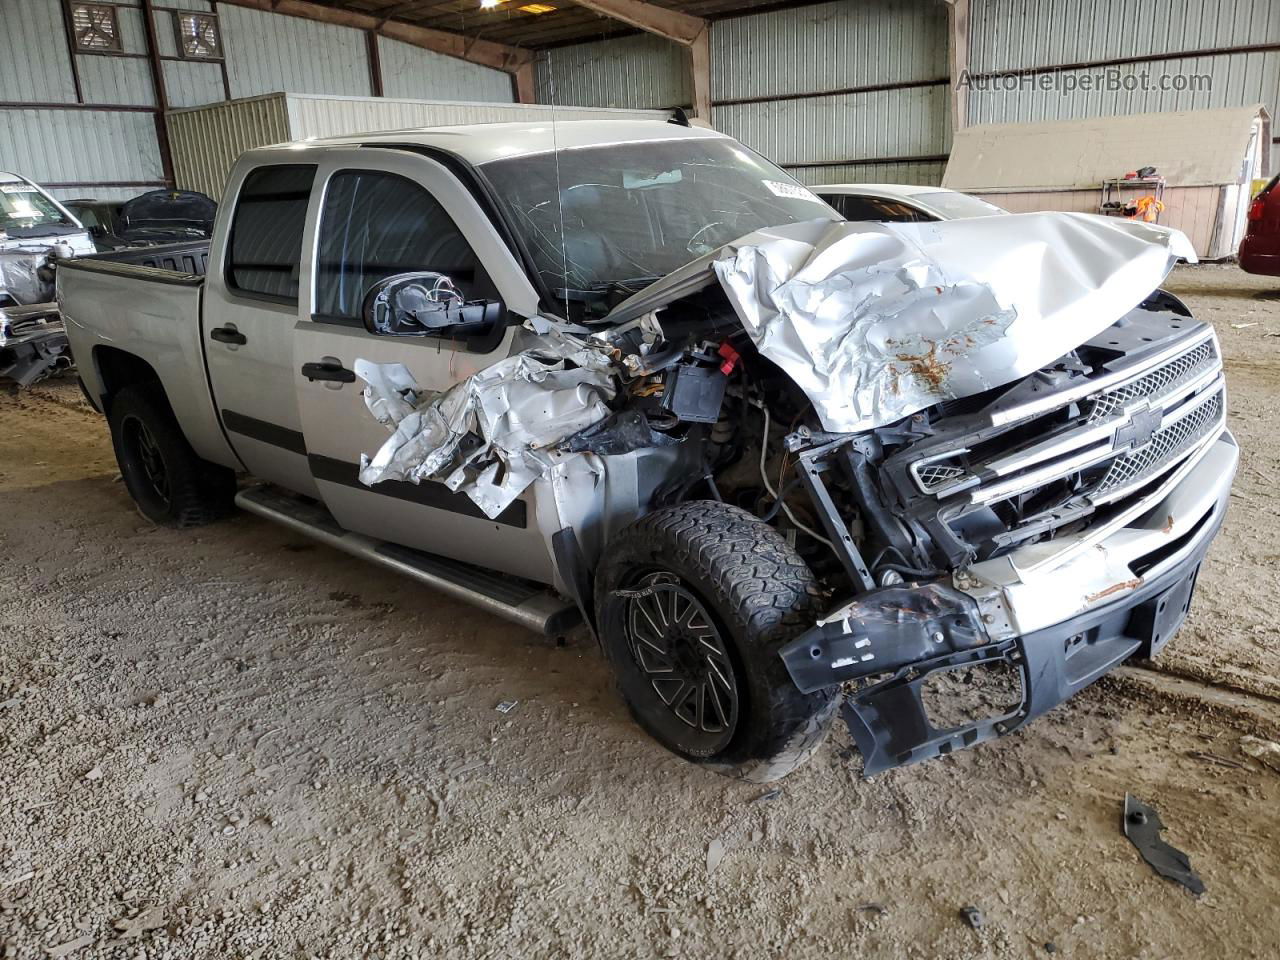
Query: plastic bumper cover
904,635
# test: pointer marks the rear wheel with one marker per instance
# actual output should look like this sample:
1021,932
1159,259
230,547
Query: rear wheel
170,484
693,603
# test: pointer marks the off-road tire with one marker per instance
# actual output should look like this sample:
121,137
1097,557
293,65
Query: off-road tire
760,594
198,492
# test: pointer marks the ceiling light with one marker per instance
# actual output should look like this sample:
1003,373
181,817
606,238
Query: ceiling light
537,8
490,4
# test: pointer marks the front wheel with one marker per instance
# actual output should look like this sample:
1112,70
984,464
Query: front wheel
693,603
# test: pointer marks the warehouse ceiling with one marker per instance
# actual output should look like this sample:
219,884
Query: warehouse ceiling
518,22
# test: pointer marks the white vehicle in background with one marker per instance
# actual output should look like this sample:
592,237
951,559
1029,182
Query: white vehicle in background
34,228
903,203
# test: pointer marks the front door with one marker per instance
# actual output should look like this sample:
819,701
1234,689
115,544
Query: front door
378,214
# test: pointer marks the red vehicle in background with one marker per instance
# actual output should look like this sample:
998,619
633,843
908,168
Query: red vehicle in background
1260,248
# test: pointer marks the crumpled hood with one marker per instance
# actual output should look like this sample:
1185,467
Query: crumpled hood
877,321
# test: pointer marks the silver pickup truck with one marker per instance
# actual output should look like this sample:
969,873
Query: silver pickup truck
631,373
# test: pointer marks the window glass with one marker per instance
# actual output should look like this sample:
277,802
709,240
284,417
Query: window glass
605,221
376,225
266,234
878,209
25,211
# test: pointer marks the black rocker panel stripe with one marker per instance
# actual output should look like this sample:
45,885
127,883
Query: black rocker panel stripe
427,494
264,432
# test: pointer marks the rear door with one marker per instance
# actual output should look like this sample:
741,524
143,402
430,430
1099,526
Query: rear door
250,310
377,214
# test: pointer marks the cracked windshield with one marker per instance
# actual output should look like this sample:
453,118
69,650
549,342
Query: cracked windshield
631,213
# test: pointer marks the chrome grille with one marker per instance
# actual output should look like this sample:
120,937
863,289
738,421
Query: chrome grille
1157,383
1166,446
934,475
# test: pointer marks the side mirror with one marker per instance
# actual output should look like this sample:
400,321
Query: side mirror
426,304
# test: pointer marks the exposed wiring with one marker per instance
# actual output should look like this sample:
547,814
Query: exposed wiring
764,475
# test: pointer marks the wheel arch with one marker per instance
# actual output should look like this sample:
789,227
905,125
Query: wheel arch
117,369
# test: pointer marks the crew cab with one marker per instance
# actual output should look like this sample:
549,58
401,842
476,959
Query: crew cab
633,373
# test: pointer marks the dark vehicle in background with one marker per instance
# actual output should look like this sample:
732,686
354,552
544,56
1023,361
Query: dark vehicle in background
155,217
903,203
1260,248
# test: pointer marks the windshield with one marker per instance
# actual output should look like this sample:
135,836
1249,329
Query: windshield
631,213
957,206
26,212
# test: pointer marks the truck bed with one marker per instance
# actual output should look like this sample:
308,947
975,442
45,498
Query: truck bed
145,302
191,257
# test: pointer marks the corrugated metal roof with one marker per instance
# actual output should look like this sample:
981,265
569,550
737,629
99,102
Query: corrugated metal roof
636,71
860,126
415,73
267,53
829,46
1017,34
64,146
34,65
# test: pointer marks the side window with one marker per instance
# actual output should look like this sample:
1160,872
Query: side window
894,211
376,225
853,207
265,252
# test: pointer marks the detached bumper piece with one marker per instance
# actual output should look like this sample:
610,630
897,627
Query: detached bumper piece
893,640
33,343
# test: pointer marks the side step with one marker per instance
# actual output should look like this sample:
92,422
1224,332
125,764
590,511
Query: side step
530,605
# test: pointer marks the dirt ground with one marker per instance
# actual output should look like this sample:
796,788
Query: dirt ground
232,743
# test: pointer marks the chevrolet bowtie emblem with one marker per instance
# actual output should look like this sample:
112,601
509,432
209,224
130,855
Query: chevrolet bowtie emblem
1137,433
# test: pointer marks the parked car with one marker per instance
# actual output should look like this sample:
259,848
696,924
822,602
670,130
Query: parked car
35,229
902,203
634,373
1260,248
149,219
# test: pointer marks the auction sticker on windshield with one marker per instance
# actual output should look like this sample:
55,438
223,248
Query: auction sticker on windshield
792,191
16,188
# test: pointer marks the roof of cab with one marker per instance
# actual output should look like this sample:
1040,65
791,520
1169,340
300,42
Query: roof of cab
480,143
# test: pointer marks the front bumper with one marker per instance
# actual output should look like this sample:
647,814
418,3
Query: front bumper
892,640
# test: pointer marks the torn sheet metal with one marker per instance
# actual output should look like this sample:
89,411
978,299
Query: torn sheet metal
33,343
490,436
876,321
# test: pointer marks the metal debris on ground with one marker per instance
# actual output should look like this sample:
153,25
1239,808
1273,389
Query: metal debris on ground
972,916
1142,825
506,706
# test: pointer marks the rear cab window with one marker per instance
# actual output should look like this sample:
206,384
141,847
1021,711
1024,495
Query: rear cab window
264,254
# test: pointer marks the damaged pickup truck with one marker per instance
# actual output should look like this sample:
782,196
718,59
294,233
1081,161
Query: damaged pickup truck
783,465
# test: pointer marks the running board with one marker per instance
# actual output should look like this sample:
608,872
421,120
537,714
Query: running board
530,605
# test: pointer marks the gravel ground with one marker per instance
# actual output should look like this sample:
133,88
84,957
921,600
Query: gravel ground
232,743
